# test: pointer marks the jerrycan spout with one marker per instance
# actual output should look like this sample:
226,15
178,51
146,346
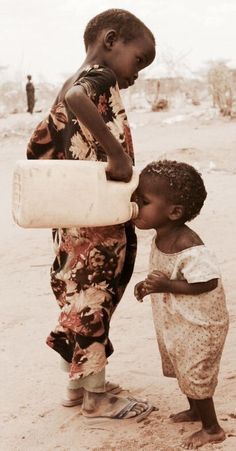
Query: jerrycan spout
134,210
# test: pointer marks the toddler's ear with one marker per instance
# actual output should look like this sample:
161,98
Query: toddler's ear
110,38
176,212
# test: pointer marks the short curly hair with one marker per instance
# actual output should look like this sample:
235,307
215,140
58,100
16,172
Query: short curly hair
126,24
183,185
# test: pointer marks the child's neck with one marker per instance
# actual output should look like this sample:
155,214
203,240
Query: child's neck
94,56
168,237
172,238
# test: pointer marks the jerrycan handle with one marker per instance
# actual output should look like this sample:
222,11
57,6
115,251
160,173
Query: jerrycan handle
133,181
132,184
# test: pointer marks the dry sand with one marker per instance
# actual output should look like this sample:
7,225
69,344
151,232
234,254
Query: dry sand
31,381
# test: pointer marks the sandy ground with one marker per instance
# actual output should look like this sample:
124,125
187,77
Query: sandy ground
31,381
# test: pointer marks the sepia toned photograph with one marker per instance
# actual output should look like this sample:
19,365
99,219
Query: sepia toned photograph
117,250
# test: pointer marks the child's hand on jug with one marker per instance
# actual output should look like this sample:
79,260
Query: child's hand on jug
119,168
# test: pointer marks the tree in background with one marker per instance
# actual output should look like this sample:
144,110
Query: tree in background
221,86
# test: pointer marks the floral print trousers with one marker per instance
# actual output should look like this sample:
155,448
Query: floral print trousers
88,277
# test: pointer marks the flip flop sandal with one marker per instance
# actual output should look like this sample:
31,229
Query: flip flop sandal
66,402
110,388
121,415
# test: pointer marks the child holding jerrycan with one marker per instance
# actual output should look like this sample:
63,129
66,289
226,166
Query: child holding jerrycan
92,266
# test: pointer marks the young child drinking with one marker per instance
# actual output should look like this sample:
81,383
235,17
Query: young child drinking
93,265
188,301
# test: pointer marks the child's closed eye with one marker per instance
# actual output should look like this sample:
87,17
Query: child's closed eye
139,200
142,200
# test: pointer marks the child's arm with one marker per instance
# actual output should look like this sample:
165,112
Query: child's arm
157,282
119,163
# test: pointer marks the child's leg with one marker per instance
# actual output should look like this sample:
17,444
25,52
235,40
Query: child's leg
211,431
75,388
187,415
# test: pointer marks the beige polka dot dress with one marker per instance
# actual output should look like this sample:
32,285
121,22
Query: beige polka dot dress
190,329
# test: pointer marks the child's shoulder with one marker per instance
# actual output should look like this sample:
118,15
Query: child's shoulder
187,239
96,76
100,72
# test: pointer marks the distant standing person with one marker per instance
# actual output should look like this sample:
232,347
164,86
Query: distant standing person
30,94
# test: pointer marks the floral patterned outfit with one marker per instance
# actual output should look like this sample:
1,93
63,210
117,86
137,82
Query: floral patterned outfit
190,329
92,265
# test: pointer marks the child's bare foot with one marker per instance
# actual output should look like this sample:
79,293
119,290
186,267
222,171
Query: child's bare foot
105,405
185,416
200,438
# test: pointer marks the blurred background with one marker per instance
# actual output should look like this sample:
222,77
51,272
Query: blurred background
195,64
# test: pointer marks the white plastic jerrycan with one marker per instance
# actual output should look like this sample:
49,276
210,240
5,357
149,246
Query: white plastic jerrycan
69,193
